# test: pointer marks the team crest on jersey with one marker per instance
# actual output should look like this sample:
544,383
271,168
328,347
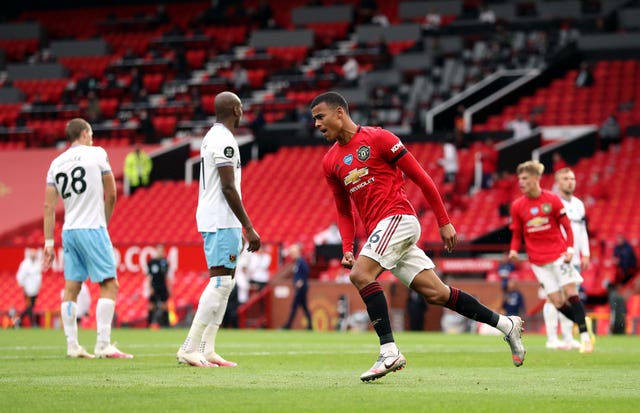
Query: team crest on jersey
228,152
232,258
534,210
363,153
546,208
348,159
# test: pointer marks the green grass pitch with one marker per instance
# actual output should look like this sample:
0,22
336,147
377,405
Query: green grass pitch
300,371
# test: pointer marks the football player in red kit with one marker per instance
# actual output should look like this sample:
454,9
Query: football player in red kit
366,166
538,215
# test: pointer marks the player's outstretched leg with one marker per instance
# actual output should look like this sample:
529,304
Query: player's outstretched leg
511,326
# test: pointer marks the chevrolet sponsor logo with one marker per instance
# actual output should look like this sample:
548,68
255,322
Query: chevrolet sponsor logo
537,221
355,175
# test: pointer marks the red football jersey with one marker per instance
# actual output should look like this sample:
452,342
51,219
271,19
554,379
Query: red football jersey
364,170
538,220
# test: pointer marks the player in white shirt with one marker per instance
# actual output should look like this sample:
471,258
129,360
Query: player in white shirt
220,217
82,176
520,126
29,278
565,182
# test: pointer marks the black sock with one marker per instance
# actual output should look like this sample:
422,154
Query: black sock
578,312
567,311
465,304
373,297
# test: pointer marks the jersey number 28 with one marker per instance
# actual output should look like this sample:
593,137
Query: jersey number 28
73,182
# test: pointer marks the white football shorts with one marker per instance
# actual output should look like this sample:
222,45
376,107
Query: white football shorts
393,245
554,275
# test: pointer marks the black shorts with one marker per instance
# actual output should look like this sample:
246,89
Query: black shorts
159,294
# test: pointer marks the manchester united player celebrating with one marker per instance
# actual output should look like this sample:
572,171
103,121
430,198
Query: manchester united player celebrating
538,215
366,166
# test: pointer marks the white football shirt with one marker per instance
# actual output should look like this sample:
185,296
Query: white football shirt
577,215
219,148
77,175
29,276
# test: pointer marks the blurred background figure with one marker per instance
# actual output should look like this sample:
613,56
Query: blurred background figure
625,259
488,156
93,112
329,235
459,133
300,273
343,313
520,126
558,162
505,268
485,14
618,306
259,264
29,277
146,127
610,133
159,280
240,80
513,300
137,169
449,160
585,76
432,20
351,72
416,311
328,243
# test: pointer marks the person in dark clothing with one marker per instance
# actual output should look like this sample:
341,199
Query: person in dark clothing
300,286
29,278
585,76
416,309
158,270
618,306
625,260
513,301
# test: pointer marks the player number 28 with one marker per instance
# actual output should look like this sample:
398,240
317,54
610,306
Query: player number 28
73,182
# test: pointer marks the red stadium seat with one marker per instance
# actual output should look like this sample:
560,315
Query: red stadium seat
17,50
196,58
